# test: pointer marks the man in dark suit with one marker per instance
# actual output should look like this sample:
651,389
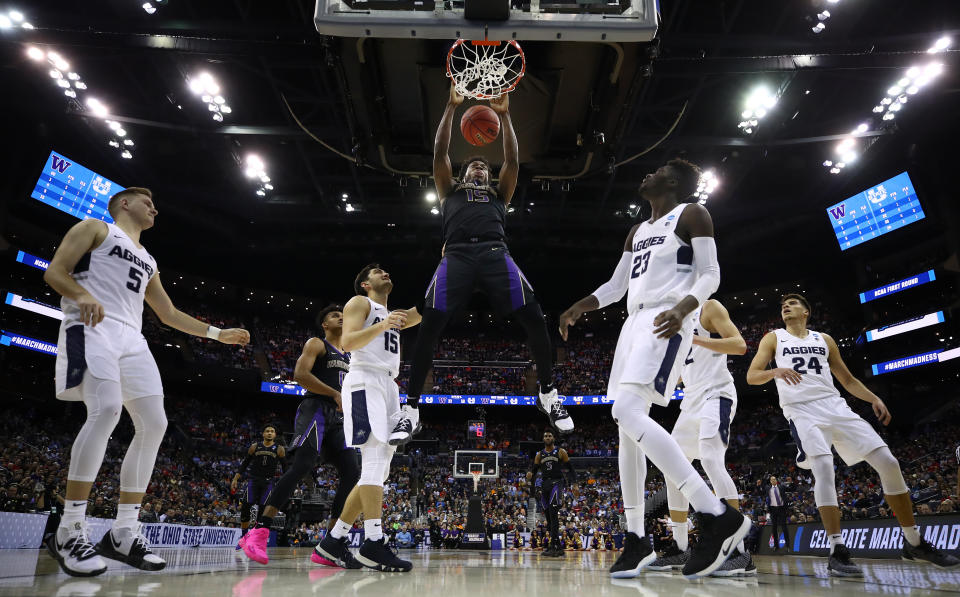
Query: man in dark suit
776,498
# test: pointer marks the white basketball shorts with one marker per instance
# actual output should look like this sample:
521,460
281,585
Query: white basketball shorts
819,424
111,350
371,405
648,364
710,419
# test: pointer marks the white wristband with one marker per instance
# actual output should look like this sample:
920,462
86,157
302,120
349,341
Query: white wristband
213,332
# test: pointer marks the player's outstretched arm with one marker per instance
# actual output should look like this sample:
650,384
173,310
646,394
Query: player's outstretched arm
715,318
79,240
355,312
758,374
442,170
160,302
696,226
511,149
852,384
608,293
303,371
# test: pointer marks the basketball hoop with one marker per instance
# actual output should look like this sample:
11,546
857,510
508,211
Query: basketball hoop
485,69
476,479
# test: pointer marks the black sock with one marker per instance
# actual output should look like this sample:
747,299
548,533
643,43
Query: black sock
265,521
413,401
244,531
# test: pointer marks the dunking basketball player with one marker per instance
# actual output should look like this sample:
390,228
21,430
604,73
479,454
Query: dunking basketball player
548,462
475,257
370,411
318,433
265,455
820,419
104,275
703,428
668,267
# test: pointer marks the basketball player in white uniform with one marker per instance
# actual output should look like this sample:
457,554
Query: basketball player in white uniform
668,268
819,418
703,428
104,274
371,409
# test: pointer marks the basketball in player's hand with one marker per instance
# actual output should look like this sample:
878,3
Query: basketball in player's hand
480,125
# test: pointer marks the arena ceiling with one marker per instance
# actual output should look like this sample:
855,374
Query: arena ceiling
592,120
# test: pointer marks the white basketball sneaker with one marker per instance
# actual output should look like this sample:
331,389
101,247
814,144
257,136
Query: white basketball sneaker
406,427
74,552
551,405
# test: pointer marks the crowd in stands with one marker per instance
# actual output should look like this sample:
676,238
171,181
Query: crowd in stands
205,351
469,379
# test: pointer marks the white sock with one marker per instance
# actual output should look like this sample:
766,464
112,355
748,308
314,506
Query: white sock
74,512
835,540
912,535
341,529
127,516
635,520
702,499
680,530
372,529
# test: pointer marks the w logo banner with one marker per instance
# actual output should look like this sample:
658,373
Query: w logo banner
60,164
838,211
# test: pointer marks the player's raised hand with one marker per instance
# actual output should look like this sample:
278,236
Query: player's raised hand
235,336
667,324
396,320
501,105
880,409
788,375
455,98
91,311
567,319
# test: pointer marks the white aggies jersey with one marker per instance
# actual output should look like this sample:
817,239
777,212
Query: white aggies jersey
383,352
116,274
705,374
808,357
662,268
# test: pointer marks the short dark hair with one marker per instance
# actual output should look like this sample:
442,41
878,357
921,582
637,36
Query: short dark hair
362,277
688,177
127,192
470,160
265,427
322,315
799,297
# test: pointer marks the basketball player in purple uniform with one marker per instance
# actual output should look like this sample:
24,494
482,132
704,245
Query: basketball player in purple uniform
475,257
318,434
104,275
264,456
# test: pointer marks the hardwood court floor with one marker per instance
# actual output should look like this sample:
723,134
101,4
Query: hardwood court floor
224,572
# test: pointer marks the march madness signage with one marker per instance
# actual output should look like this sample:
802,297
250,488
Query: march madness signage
868,538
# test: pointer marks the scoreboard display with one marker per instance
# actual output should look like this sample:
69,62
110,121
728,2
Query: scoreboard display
476,429
883,208
74,189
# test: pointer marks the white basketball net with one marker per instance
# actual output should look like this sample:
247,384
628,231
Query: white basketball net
476,479
485,71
